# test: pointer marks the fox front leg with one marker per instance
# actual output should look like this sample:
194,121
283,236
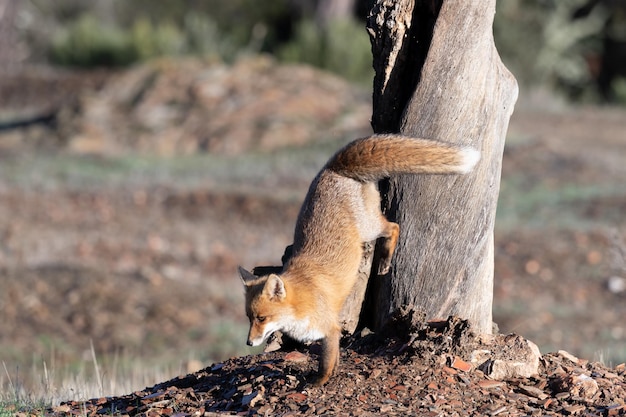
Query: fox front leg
329,360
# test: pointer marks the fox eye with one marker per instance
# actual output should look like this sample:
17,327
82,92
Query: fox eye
260,319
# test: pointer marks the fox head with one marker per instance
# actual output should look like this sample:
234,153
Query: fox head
265,305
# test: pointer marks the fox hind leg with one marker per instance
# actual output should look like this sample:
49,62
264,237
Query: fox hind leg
390,234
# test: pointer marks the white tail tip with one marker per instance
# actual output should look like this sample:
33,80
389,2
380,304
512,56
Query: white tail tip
469,159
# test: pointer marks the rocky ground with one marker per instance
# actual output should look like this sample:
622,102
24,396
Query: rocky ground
442,369
130,243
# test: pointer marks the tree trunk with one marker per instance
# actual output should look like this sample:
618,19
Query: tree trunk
439,76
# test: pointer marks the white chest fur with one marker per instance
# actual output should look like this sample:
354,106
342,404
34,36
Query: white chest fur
301,330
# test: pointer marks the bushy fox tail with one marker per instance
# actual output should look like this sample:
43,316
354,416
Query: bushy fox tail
375,157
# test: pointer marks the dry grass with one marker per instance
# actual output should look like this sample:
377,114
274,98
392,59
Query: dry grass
48,386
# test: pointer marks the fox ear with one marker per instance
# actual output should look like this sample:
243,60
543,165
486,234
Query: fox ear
246,276
275,288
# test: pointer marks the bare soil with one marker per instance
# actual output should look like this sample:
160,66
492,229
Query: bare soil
94,247
423,375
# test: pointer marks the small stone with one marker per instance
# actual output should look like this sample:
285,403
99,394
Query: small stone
616,284
581,385
525,366
584,386
568,356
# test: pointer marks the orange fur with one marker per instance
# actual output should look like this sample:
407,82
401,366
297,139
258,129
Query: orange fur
340,212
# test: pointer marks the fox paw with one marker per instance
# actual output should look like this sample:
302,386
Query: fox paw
320,380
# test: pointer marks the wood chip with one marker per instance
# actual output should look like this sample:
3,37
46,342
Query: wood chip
573,409
490,384
252,399
297,396
533,392
296,357
461,365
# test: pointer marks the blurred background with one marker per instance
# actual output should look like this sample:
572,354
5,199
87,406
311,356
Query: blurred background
148,148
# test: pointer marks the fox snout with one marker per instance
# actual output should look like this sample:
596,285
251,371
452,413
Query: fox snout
256,341
259,332
256,335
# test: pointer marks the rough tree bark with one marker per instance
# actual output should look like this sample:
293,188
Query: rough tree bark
439,76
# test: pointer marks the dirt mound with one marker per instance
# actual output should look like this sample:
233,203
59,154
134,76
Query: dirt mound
183,106
433,372
193,106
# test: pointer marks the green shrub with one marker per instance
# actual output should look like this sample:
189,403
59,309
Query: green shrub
204,38
543,45
88,42
151,40
619,87
307,45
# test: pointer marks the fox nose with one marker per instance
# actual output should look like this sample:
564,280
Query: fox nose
249,342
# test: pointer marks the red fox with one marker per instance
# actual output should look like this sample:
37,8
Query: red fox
341,211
